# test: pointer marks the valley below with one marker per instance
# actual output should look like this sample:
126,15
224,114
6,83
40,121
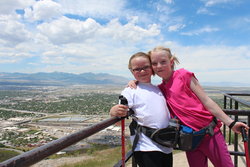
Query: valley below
31,116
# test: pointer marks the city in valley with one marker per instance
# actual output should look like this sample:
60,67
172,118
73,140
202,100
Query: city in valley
31,116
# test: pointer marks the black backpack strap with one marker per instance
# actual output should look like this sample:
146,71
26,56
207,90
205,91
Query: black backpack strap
136,129
132,128
146,131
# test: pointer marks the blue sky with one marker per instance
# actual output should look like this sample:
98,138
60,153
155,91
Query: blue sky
210,37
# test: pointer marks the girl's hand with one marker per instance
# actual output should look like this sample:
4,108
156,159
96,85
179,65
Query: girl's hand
237,127
119,110
132,84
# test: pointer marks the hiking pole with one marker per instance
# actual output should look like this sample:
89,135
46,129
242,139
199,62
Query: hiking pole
123,100
123,142
245,140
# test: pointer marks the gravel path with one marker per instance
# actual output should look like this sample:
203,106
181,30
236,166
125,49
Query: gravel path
60,161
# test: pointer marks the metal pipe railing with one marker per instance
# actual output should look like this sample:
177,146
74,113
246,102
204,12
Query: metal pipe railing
37,154
236,112
236,99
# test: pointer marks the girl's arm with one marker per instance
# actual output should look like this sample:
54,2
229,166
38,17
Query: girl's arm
213,107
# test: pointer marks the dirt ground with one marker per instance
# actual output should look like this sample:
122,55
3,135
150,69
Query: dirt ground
179,160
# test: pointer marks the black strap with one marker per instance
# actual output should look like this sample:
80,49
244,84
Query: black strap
136,129
232,124
132,129
146,130
136,139
210,128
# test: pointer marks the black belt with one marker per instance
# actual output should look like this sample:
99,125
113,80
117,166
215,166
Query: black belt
135,129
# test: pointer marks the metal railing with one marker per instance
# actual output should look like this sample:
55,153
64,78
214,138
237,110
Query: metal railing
232,108
38,154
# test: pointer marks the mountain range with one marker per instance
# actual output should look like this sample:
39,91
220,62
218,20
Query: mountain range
59,79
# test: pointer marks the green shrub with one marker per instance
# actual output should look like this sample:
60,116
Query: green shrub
7,154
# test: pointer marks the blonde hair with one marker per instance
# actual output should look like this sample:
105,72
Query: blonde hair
169,54
139,54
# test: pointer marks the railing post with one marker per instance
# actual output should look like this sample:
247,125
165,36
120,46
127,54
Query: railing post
236,137
225,107
230,131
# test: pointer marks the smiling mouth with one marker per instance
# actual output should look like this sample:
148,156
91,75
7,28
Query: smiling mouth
143,75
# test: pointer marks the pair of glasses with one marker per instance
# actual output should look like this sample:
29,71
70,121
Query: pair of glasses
140,69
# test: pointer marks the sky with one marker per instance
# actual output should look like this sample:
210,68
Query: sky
210,37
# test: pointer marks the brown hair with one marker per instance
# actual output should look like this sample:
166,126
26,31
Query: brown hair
169,54
139,54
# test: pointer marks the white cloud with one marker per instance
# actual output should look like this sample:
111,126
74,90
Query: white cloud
60,44
169,1
93,8
209,3
65,30
129,31
12,55
215,62
206,29
204,11
43,10
176,27
241,23
164,9
12,32
9,6
79,58
45,36
111,43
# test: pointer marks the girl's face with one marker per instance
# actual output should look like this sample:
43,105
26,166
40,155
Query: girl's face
161,64
141,69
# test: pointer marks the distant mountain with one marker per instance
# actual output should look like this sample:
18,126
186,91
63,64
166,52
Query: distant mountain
59,79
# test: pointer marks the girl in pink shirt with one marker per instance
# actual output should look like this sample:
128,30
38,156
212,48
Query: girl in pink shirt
194,108
190,104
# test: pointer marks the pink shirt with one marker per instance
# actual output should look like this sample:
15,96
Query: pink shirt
183,102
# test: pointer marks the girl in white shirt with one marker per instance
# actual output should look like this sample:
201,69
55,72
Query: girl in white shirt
150,109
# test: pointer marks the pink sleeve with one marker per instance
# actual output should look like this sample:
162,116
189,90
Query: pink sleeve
187,76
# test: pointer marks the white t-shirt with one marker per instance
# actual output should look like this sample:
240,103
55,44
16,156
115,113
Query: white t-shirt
151,110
